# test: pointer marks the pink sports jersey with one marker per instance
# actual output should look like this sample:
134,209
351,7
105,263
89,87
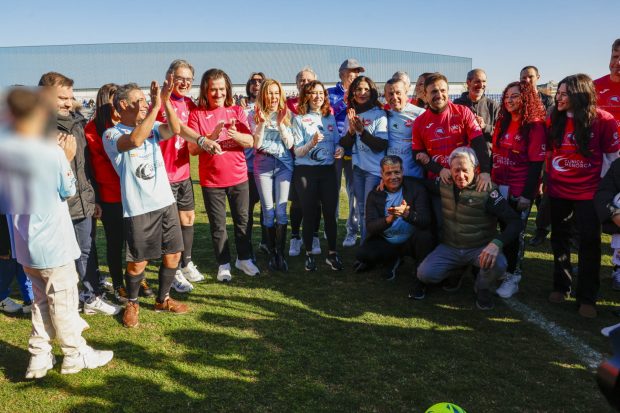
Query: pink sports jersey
174,150
438,134
608,96
572,175
513,152
292,103
229,168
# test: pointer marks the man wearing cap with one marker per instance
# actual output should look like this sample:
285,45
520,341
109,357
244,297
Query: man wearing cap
349,70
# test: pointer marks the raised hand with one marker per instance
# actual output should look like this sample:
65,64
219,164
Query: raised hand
68,144
166,90
282,115
217,131
232,130
318,137
155,98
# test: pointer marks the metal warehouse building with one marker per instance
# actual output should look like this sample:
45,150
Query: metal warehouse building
92,65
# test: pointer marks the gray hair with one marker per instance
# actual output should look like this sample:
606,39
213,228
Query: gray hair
177,64
122,93
472,73
306,69
403,76
391,160
464,152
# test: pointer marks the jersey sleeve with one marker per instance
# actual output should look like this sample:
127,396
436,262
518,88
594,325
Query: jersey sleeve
537,144
417,143
472,128
66,181
110,140
609,135
242,121
298,132
380,127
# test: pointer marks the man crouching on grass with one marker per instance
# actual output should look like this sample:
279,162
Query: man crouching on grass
151,219
469,230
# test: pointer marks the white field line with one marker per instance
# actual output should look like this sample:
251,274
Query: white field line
587,354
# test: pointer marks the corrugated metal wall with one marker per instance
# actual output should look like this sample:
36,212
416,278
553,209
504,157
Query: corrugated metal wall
93,65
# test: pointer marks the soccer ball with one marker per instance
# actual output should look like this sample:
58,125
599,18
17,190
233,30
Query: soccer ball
445,408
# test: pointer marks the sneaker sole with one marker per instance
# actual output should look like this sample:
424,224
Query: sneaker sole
76,369
93,312
483,308
332,267
419,297
503,295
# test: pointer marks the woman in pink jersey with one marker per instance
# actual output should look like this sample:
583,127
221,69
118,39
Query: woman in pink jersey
224,174
518,155
580,136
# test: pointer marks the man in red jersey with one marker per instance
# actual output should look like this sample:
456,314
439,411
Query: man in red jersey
176,159
608,86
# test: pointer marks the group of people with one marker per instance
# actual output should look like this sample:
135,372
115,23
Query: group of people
450,184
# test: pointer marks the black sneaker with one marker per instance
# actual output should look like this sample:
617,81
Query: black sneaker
390,274
334,261
145,290
310,263
454,281
538,239
484,299
359,266
418,290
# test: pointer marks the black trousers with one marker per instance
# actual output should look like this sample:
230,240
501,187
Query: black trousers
515,250
376,250
112,220
215,205
589,232
316,185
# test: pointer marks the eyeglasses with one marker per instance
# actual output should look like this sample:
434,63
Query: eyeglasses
257,81
183,79
512,97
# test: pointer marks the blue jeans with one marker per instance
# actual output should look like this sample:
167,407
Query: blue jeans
9,269
363,183
86,264
345,165
273,181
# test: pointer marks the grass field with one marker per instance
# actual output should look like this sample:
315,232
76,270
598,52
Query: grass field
323,342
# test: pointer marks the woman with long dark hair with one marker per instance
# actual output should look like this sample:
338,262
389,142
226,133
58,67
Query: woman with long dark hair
316,147
580,137
366,134
519,141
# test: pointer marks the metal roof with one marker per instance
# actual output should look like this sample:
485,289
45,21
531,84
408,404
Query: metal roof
92,65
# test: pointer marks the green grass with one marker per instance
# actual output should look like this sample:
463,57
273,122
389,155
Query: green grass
322,342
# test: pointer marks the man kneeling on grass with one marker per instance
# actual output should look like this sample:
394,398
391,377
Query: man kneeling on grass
398,215
469,230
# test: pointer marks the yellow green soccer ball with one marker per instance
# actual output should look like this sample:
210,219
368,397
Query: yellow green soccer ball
445,408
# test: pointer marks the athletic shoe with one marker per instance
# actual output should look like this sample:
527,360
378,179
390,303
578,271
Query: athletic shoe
390,274
350,240
145,290
615,278
106,285
171,306
180,284
9,306
453,283
418,290
484,300
510,286
223,273
334,261
27,308
87,359
131,314
262,247
99,305
247,266
557,297
587,311
538,239
120,293
310,262
39,365
316,246
295,247
191,273
359,266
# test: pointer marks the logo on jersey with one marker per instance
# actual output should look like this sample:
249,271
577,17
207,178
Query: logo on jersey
409,123
517,137
454,128
614,99
429,125
318,154
499,160
306,120
209,116
440,159
330,128
439,132
145,171
178,143
562,164
570,137
366,122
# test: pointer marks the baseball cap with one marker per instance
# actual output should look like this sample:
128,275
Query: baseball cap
351,64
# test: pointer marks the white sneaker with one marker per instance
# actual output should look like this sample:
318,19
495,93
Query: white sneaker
27,308
101,306
39,365
350,240
191,273
88,359
509,286
223,273
316,246
247,266
180,283
9,306
295,248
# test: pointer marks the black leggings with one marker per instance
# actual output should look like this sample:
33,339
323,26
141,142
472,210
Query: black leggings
314,185
112,219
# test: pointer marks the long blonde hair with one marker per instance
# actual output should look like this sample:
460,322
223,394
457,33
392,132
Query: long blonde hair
262,102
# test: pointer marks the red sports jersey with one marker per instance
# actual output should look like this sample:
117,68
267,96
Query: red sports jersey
513,152
174,150
106,177
292,104
608,96
571,175
228,168
438,134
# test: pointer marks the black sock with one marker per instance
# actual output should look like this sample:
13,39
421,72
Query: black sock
188,242
133,285
166,277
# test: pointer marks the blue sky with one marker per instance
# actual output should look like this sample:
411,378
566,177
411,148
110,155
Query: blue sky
560,37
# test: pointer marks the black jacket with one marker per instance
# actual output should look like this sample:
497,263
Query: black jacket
82,204
414,193
486,108
604,198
